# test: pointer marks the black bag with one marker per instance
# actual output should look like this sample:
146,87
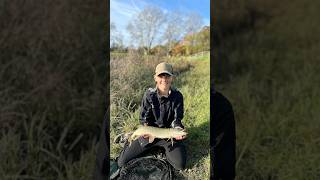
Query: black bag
147,168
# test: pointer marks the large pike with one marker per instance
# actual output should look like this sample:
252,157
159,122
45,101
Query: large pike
154,132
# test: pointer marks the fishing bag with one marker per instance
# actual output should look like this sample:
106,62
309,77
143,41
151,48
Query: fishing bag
149,167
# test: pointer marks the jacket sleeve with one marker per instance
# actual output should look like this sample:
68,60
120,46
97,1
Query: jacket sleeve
178,112
146,110
222,138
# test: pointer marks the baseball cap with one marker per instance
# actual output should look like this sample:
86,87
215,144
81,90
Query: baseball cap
164,68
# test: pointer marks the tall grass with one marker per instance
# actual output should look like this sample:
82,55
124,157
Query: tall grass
192,80
52,88
271,78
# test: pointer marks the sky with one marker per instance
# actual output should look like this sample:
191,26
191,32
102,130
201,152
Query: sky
122,11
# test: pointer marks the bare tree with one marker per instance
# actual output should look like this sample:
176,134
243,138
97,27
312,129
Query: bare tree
193,23
115,37
145,27
173,29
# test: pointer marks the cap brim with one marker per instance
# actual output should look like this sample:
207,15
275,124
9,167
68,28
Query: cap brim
164,72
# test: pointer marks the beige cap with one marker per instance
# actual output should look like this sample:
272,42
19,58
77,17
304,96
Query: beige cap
164,68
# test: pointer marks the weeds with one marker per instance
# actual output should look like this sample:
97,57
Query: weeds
270,78
52,88
192,79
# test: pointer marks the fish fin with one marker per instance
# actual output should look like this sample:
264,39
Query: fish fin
151,139
172,142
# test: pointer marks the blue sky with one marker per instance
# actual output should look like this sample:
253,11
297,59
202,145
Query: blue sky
121,11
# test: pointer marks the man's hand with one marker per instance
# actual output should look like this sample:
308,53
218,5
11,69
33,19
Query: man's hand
145,136
180,137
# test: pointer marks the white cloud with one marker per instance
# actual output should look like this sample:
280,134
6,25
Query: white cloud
122,9
121,12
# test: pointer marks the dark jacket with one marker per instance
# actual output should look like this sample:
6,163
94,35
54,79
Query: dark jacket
222,138
161,111
103,155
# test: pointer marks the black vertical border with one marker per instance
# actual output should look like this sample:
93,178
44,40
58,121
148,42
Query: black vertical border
212,22
103,151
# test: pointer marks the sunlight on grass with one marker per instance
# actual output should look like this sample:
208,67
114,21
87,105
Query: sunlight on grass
193,80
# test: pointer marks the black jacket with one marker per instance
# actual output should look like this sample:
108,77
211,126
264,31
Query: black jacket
161,111
222,138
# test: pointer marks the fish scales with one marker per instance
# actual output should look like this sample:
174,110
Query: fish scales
154,132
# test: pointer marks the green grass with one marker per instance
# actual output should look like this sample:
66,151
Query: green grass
52,88
270,75
194,83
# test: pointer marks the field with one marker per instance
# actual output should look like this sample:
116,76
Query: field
269,70
52,90
193,80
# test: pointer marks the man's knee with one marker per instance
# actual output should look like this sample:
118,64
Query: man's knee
179,165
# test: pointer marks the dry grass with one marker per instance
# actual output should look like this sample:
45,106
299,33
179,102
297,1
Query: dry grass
132,74
270,73
52,77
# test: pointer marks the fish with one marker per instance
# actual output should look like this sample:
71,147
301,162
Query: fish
155,132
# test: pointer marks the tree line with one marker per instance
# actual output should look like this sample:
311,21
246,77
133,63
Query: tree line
153,31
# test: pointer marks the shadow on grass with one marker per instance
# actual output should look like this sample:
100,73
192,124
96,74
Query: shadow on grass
197,143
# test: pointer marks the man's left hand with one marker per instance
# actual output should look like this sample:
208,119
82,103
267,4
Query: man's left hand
180,137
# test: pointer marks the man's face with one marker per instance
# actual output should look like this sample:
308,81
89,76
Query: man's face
163,81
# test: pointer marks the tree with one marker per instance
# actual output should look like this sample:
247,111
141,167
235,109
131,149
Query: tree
144,28
203,39
115,37
192,23
173,29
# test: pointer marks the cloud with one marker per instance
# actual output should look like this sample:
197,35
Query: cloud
121,12
122,9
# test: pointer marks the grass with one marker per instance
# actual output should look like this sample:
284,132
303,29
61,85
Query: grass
52,88
270,75
193,81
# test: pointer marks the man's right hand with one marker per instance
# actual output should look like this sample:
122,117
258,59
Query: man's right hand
145,136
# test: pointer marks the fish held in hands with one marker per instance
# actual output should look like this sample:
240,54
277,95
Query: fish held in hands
155,132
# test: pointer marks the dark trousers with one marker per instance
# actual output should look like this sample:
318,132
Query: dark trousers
176,154
102,159
223,138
